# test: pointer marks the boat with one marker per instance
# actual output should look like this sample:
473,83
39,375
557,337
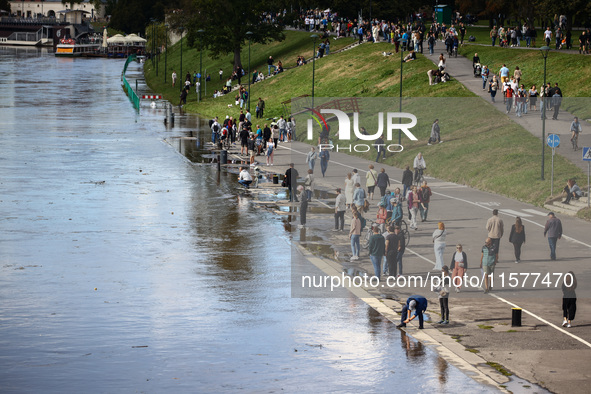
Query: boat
68,47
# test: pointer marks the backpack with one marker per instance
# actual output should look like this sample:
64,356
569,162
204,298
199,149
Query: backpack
363,222
425,194
216,128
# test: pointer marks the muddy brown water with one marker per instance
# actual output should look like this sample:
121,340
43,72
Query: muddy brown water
125,266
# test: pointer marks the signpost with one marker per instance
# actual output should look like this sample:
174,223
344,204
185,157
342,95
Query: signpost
553,141
587,158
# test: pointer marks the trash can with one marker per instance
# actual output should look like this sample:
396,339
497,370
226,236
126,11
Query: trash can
224,157
515,317
276,179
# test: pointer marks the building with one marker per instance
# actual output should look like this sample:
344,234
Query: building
51,8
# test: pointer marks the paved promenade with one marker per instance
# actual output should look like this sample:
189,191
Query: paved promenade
540,351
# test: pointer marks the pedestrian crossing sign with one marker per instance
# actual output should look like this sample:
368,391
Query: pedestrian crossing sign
587,153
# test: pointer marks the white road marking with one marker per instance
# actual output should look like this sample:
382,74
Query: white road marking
536,212
543,320
515,213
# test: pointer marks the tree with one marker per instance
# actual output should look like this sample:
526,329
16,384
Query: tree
5,6
226,23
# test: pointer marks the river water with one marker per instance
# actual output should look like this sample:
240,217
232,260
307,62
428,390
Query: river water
125,267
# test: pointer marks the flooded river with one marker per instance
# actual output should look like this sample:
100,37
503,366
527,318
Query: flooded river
125,267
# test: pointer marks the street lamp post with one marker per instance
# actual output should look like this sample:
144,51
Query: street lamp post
314,36
156,46
152,20
182,84
249,35
166,52
544,50
402,41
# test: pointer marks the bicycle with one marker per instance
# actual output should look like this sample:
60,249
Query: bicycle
575,142
369,232
418,176
454,52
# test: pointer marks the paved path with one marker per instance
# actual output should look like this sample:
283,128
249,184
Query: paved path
541,350
460,68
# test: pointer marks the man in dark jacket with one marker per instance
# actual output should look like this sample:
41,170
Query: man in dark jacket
406,181
291,182
553,229
415,304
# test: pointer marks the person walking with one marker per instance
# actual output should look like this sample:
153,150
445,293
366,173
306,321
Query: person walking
377,247
553,229
270,152
309,185
424,198
311,158
495,228
354,234
349,187
291,182
406,180
488,261
401,247
359,196
439,245
415,305
371,179
392,247
383,182
517,238
413,206
493,86
340,206
459,266
324,159
569,299
443,295
435,133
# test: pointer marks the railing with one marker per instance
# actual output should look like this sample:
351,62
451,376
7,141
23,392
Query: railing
133,97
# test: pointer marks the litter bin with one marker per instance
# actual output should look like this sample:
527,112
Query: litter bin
515,317
276,179
224,157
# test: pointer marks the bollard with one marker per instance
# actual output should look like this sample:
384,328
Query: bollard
219,164
224,157
275,179
515,317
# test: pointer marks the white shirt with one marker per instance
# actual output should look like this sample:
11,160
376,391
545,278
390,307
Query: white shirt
245,176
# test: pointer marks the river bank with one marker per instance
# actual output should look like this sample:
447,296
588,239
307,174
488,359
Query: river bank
480,337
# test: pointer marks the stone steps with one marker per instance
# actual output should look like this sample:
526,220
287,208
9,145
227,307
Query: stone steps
567,209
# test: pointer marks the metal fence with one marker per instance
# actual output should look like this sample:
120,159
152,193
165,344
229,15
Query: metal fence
133,97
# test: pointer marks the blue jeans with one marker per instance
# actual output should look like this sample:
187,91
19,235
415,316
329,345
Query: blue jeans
528,41
355,245
311,164
424,211
509,104
377,263
405,190
245,183
430,49
493,41
404,315
270,66
213,137
552,243
323,166
484,79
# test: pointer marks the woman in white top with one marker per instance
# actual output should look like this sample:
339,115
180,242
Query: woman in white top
349,188
459,265
441,64
439,245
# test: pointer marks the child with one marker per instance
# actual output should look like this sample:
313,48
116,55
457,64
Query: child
443,290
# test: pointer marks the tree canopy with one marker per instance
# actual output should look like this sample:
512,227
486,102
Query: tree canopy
225,24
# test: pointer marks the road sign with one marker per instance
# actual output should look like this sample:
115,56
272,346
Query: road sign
553,140
198,75
587,153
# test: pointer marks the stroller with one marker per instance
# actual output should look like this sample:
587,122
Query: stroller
477,70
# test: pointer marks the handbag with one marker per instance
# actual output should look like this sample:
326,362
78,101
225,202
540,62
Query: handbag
284,182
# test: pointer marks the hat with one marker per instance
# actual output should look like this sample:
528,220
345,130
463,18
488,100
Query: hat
412,305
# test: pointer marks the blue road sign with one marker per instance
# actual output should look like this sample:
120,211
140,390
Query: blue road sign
553,140
198,75
587,153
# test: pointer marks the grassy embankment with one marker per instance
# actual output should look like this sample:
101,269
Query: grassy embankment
483,148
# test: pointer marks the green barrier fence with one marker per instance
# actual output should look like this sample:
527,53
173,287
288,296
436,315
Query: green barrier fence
133,97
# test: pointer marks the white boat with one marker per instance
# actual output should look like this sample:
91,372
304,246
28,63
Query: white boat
69,48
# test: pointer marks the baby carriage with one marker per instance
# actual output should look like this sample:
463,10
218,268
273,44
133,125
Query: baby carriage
477,70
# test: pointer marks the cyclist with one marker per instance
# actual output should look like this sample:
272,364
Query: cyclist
419,165
575,128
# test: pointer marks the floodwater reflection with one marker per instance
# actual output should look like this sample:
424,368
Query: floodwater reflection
164,278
